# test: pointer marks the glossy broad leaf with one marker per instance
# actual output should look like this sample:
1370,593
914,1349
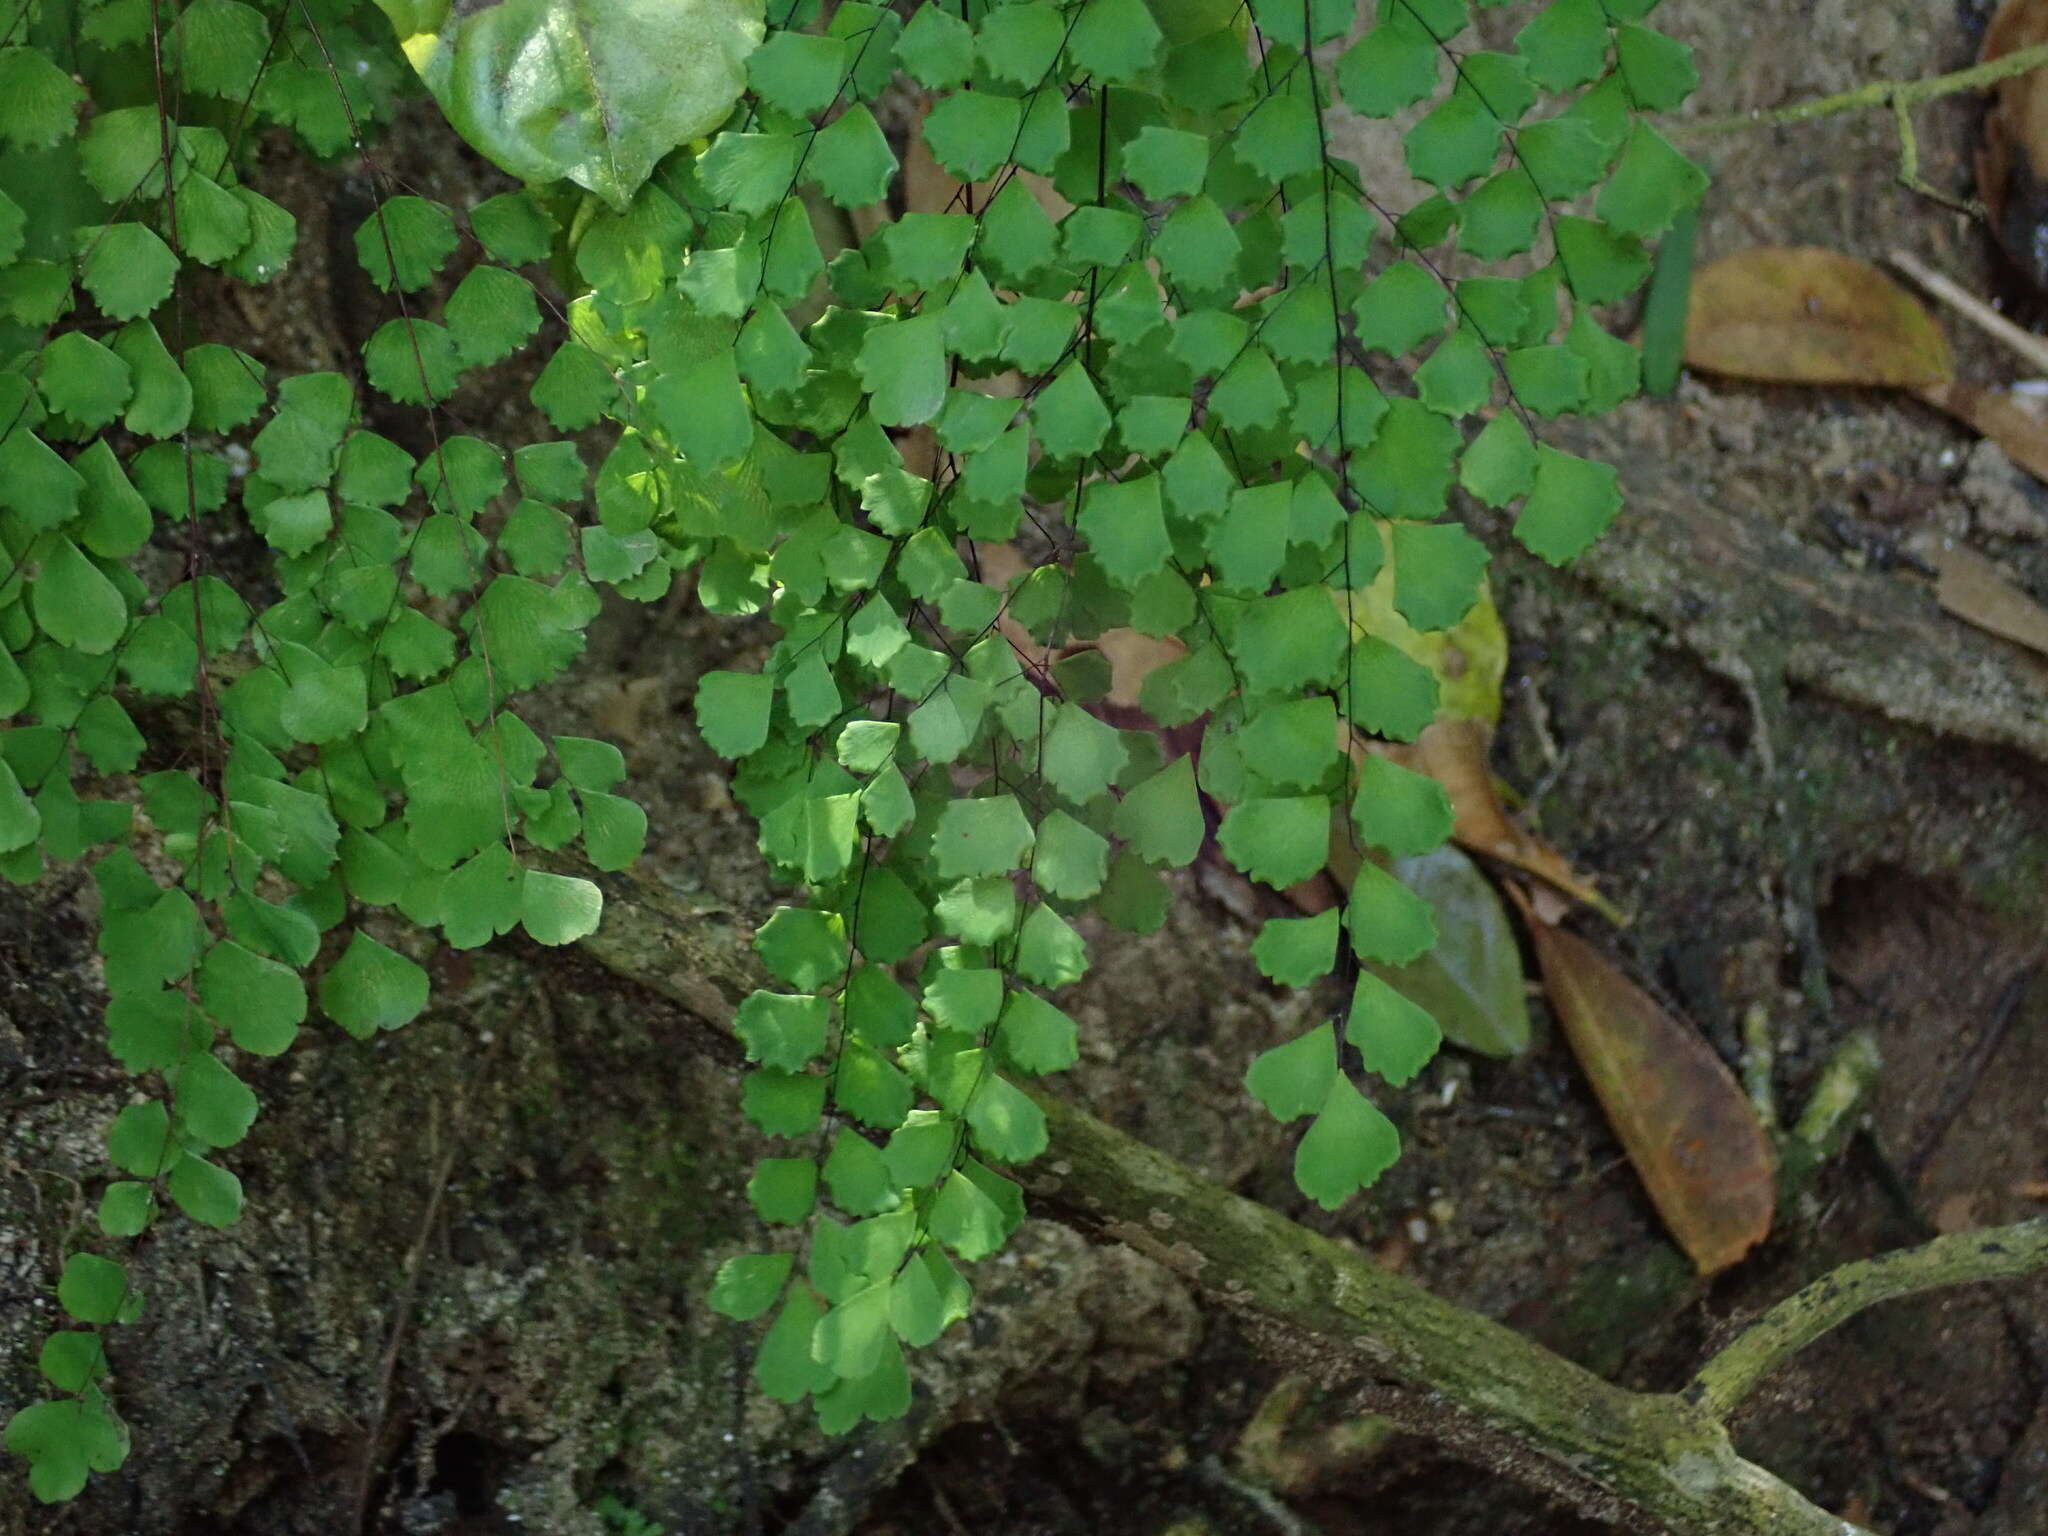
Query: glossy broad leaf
1471,982
593,90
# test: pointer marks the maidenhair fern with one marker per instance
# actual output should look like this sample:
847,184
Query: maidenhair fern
1135,348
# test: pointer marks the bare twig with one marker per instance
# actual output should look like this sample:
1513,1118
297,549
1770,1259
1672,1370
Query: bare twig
1899,97
1965,1257
415,1262
1460,1377
2004,1012
2030,348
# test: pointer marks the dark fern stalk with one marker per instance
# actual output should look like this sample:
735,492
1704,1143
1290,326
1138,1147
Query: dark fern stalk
1146,364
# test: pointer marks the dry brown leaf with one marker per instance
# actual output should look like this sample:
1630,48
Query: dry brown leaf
1686,1124
2016,140
2009,420
1133,657
621,708
1804,315
919,446
1454,753
1975,591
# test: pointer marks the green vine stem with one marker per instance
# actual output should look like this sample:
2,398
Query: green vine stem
1898,95
1962,1258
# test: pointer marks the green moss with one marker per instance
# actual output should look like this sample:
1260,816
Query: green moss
1614,1305
658,1204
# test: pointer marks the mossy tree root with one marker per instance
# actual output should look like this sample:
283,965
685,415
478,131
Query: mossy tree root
1440,1369
1458,1376
1962,1258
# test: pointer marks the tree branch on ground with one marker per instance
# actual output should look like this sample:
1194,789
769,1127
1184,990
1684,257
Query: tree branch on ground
1961,1258
1434,1367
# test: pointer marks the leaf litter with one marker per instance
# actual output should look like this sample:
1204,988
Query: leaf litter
1812,316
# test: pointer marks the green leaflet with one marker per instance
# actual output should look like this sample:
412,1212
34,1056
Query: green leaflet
1153,406
750,1284
76,604
593,90
1348,1146
64,1440
1294,1079
372,987
1294,951
1471,983
1281,840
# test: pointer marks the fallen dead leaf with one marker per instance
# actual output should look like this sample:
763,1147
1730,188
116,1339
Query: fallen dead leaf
1133,657
1691,1133
1454,753
1973,589
2015,146
1804,315
2009,420
621,709
1958,1213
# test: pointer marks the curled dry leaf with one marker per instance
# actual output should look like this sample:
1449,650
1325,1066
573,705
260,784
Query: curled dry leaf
1803,315
1454,753
2013,421
1977,592
1686,1124
2011,160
